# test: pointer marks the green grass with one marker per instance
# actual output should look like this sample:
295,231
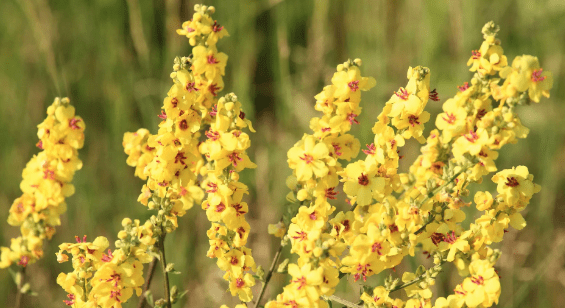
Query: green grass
113,59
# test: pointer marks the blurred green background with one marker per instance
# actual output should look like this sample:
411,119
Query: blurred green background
113,59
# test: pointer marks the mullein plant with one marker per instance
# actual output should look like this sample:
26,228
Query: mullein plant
200,149
394,214
46,184
195,157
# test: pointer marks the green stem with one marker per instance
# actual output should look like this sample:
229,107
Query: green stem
269,274
19,295
150,273
438,189
409,283
165,273
432,194
342,301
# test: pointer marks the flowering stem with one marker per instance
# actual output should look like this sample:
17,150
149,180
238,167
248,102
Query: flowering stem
269,274
165,273
336,299
19,295
434,192
150,273
409,283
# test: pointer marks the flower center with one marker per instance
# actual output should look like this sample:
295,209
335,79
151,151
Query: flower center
464,87
191,87
212,60
450,237
377,247
234,157
330,193
239,283
73,123
413,120
354,85
437,238
307,158
371,149
512,182
213,88
450,118
479,280
363,179
536,75
402,94
313,215
351,117
472,136
300,235
220,207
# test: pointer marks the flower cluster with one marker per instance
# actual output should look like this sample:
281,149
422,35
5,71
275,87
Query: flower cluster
225,150
316,161
103,278
180,169
46,183
397,214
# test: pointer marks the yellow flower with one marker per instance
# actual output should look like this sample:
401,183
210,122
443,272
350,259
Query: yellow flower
483,200
208,61
278,229
379,297
515,186
305,279
349,83
452,121
482,289
471,143
527,75
241,284
308,158
362,182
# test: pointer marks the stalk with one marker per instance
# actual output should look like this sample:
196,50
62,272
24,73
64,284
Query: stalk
269,274
19,293
150,273
342,301
416,280
165,273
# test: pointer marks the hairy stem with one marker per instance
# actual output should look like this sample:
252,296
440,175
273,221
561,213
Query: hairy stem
416,280
269,274
342,301
150,273
434,192
165,273
19,293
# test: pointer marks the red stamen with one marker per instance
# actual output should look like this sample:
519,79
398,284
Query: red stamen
512,182
402,94
354,85
413,120
363,180
73,123
434,95
464,87
536,75
371,149
330,193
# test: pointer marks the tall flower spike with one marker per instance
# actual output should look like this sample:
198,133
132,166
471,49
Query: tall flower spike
46,184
